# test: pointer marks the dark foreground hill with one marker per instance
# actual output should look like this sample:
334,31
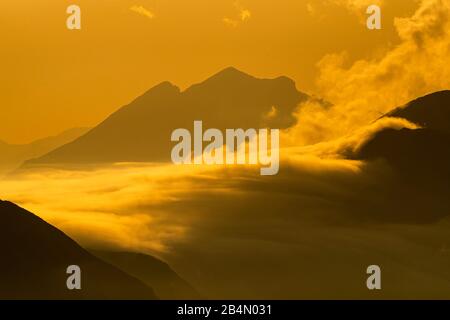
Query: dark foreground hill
153,272
35,257
141,130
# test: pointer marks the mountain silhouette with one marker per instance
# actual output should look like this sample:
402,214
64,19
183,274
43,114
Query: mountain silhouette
13,155
141,130
419,159
421,150
425,149
35,257
430,112
167,284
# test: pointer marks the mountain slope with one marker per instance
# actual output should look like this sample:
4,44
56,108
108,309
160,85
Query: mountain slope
431,111
410,148
35,256
141,130
153,272
419,159
12,155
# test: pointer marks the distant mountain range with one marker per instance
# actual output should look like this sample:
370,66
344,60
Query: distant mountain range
141,130
13,155
35,256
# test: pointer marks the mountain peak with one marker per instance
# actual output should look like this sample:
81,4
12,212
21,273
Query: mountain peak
230,73
160,91
163,87
232,70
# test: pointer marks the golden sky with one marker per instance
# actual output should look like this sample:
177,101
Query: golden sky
53,79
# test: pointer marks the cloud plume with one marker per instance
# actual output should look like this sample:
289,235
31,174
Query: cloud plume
369,88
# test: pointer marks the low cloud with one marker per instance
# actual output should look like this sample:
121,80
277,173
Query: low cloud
344,146
233,233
